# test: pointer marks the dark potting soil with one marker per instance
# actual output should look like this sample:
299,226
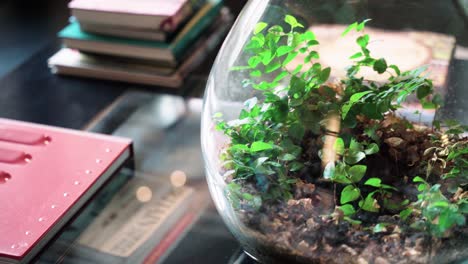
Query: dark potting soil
308,229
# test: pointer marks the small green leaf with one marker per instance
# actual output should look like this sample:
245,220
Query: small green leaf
380,227
239,147
233,187
339,178
292,21
356,172
363,41
380,66
423,91
324,75
361,25
349,194
347,209
418,179
422,187
266,56
357,96
339,146
312,43
405,213
352,100
356,55
256,73
369,204
283,50
264,85
353,157
259,27
308,36
371,149
287,157
260,146
254,61
312,55
256,42
272,67
354,145
280,76
263,170
259,162
376,182
389,187
297,70
349,28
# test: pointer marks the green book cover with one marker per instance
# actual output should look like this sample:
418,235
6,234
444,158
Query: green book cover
189,33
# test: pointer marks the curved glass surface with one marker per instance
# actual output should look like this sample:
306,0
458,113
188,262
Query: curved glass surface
324,148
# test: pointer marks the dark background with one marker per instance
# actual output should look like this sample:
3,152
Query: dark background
26,26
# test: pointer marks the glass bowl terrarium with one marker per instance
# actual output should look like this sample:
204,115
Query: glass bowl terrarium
335,131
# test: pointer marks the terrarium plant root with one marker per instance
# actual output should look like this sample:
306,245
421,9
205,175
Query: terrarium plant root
327,172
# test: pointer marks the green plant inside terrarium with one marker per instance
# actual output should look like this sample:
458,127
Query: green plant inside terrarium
334,155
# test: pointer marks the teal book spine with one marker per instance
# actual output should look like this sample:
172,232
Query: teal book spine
182,43
73,31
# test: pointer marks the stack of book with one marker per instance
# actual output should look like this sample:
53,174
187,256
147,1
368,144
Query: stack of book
155,42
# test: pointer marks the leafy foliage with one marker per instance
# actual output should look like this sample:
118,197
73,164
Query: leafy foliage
268,139
440,214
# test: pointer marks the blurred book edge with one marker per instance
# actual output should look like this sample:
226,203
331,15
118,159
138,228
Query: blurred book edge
75,38
75,63
154,15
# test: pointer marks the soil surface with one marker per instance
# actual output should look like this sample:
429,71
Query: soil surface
308,229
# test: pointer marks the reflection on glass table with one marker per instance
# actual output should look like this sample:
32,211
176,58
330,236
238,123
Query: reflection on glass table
158,211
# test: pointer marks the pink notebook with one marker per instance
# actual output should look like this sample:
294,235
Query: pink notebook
46,175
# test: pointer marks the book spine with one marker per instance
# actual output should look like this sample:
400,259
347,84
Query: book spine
170,24
181,44
210,44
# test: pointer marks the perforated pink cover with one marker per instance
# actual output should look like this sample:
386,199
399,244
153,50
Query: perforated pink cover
143,7
44,171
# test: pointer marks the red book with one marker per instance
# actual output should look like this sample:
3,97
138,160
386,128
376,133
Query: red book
46,175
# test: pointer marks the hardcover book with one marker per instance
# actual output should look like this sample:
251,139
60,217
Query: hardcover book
73,37
124,32
47,174
144,14
75,63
